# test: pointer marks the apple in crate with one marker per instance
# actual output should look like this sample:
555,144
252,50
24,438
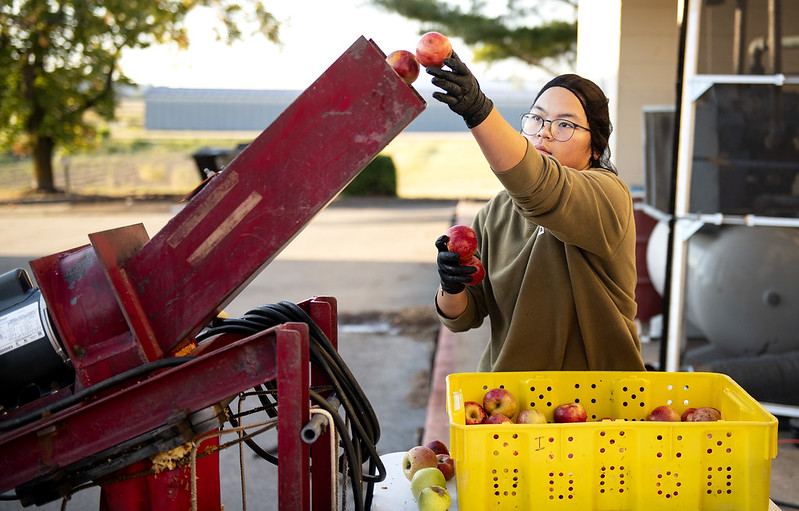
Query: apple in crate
417,458
404,63
664,413
432,49
474,413
434,498
499,400
429,476
688,415
570,412
462,240
446,465
437,446
706,414
498,418
531,416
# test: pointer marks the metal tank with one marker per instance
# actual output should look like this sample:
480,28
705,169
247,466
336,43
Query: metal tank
742,286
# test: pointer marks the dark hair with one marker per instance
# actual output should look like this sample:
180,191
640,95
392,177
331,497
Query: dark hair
595,105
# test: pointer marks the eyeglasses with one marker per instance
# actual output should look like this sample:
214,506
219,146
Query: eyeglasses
561,129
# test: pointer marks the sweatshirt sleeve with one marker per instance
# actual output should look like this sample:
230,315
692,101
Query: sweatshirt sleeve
591,209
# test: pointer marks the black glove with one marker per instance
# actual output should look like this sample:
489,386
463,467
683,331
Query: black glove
454,274
463,94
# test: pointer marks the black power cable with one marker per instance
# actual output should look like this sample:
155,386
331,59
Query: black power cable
364,426
95,389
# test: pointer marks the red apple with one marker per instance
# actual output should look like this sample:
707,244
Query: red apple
432,49
437,446
570,412
499,400
498,418
405,65
664,413
480,274
417,458
474,412
531,416
706,414
446,465
462,240
688,415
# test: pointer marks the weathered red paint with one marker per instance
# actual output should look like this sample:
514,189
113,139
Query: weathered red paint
127,299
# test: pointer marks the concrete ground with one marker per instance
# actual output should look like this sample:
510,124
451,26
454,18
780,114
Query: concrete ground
377,258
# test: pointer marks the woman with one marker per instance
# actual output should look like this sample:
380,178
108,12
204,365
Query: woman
558,243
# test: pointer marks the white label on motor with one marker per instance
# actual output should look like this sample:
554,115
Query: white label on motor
20,327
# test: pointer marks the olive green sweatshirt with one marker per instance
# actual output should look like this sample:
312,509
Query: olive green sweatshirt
558,246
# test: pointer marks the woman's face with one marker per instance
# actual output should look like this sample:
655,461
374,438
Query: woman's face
560,103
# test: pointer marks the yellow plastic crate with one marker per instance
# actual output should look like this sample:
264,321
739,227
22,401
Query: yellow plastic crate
628,464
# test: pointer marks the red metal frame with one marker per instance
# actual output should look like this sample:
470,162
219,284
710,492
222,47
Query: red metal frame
126,299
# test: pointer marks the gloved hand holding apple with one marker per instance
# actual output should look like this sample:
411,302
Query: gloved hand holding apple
457,264
462,93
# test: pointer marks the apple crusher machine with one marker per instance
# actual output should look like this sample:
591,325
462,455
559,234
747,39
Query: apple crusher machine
119,359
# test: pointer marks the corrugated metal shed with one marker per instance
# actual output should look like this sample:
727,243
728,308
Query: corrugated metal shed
254,110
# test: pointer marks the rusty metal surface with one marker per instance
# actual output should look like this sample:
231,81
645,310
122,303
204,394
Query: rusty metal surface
66,437
249,212
126,299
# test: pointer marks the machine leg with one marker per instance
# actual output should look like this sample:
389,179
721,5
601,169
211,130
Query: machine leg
167,490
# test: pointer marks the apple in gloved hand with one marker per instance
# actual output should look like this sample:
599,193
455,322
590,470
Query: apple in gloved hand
432,49
499,400
462,240
404,63
417,458
480,274
434,498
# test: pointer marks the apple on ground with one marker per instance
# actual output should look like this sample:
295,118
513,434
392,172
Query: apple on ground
664,413
434,498
474,413
417,458
432,49
480,274
570,412
430,476
446,465
437,446
405,64
462,240
531,416
499,400
688,415
706,414
498,418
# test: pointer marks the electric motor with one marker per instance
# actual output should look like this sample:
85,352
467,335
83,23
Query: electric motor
32,362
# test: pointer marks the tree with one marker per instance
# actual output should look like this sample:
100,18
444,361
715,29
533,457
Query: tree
58,63
521,32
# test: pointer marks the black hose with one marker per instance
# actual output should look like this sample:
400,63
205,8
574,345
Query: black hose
364,426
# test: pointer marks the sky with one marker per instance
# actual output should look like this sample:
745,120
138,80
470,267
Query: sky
314,34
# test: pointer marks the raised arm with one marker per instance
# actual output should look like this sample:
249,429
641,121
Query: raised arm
502,145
